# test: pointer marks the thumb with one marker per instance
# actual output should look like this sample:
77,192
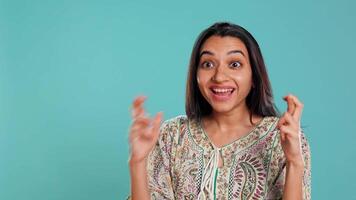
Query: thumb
156,125
283,136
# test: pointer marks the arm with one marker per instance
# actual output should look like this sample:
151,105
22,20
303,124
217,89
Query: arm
298,176
296,150
151,179
293,188
293,180
150,160
143,136
139,185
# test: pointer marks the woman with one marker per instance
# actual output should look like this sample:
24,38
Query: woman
232,143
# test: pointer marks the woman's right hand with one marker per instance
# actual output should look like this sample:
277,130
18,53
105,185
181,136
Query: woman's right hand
144,131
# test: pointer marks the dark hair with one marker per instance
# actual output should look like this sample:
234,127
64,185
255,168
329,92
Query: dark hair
260,99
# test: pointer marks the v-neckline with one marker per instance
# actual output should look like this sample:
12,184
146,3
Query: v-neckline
201,128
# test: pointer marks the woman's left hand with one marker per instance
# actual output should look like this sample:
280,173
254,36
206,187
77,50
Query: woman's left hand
289,126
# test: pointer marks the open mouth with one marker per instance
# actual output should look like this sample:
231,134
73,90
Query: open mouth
222,92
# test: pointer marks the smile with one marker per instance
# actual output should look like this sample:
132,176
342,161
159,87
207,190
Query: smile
222,91
222,94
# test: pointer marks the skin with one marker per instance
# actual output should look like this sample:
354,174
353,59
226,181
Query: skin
225,62
221,124
289,126
143,135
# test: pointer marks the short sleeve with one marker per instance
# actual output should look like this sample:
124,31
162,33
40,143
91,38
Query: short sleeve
307,168
159,162
276,191
159,165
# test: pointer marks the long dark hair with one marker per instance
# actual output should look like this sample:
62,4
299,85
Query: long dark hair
260,99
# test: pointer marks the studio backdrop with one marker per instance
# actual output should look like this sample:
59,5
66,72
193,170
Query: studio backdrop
69,71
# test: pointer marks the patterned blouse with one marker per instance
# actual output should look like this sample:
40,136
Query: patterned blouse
184,163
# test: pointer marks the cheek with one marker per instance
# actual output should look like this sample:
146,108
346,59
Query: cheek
240,78
243,80
202,78
200,83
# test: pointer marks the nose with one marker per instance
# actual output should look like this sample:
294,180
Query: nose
219,75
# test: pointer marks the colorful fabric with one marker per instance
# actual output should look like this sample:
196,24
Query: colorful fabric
254,166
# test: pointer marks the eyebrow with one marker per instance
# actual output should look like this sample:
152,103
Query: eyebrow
230,52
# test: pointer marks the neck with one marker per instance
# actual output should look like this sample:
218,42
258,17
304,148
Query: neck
229,120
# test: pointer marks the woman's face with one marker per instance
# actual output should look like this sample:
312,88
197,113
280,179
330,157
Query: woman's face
224,73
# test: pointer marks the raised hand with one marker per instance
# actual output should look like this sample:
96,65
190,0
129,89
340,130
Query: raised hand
289,126
144,131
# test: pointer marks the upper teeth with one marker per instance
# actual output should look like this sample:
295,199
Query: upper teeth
222,90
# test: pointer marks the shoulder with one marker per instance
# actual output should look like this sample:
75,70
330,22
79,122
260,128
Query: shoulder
172,125
176,119
269,126
174,122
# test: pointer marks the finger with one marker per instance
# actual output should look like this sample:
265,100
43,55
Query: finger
280,123
138,100
283,136
288,131
138,127
291,105
289,120
138,112
137,106
282,120
153,127
299,108
156,125
140,122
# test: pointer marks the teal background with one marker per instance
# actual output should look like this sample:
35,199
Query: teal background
70,69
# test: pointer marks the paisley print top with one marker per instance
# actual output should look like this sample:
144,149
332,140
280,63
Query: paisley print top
254,166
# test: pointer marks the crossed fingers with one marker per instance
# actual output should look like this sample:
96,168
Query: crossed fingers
289,123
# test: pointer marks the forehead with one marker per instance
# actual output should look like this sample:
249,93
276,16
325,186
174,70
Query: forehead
218,44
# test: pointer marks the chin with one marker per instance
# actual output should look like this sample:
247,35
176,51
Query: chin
222,108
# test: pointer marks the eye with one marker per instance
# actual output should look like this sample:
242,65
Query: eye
207,64
235,64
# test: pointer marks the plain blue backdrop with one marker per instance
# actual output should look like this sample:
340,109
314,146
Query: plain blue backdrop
69,71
